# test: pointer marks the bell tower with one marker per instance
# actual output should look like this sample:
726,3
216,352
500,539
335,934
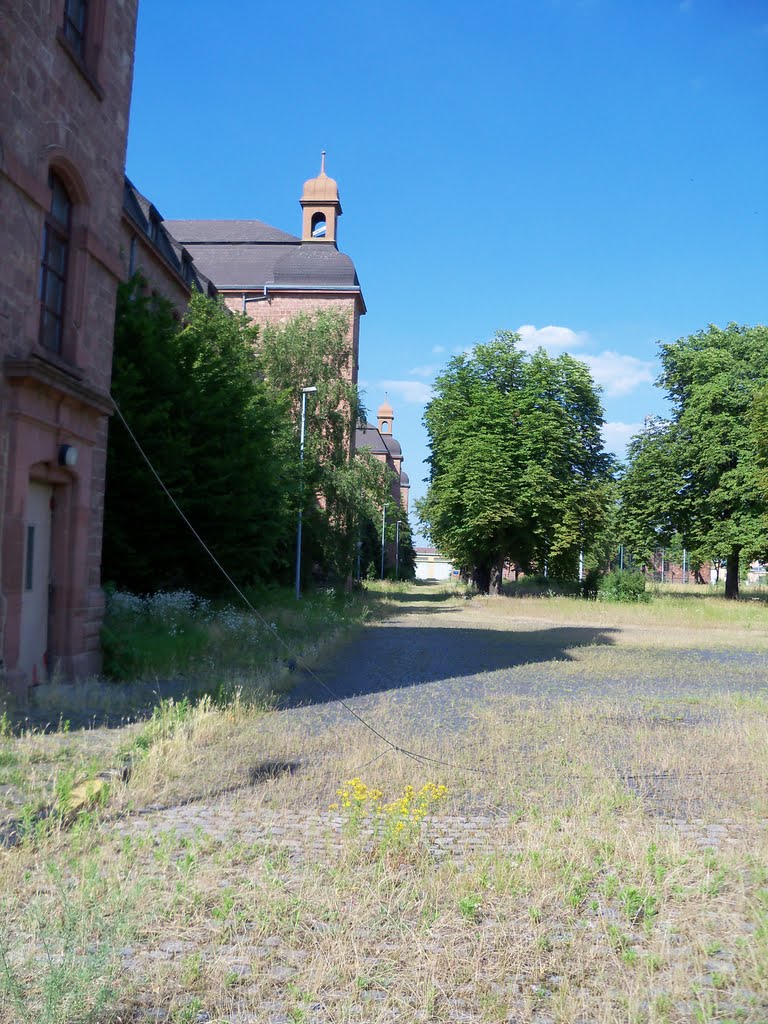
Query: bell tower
385,416
321,208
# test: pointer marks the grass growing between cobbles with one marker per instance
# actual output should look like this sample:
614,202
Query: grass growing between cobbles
165,651
600,860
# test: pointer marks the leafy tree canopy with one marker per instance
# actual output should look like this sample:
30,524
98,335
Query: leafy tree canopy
698,473
193,395
340,493
517,467
216,405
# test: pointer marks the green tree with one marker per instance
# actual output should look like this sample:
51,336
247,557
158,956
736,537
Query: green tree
193,395
759,430
340,493
517,467
698,474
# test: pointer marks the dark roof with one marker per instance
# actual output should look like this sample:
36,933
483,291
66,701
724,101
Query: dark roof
316,262
228,231
393,446
248,254
142,212
404,481
369,437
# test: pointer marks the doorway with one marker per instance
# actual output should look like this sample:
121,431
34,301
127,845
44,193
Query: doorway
36,574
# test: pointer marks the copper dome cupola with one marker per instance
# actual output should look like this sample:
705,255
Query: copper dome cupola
385,415
321,207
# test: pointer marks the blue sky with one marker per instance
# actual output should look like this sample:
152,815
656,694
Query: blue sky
592,172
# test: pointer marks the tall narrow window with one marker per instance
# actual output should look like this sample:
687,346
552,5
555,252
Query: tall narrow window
53,268
29,566
75,21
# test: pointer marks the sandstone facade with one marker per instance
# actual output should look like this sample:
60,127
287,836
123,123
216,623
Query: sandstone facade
66,73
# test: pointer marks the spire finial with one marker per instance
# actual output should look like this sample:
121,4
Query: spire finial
322,162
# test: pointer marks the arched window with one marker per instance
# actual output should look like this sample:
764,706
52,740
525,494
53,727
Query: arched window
384,426
53,268
318,225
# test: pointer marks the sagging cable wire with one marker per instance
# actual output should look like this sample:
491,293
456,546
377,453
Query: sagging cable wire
421,759
243,597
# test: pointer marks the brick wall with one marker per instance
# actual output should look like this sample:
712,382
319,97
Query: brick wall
281,307
66,113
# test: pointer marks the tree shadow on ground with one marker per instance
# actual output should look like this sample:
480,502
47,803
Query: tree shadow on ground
385,657
424,593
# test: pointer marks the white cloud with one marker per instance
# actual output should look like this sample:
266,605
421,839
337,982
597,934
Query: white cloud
415,391
437,349
619,374
550,338
424,371
616,436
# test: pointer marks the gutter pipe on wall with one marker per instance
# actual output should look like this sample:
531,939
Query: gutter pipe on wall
255,298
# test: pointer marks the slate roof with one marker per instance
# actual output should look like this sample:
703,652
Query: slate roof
404,480
141,211
248,254
227,231
369,437
393,446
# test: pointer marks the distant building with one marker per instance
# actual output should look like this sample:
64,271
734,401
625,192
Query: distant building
273,275
380,442
67,69
431,565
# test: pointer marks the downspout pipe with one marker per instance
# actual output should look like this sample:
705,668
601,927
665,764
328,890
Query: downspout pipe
255,298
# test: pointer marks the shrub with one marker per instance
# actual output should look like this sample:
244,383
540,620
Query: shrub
623,585
590,585
541,586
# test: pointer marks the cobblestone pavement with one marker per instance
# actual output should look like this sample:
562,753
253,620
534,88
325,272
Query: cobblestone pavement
308,837
309,834
436,665
429,668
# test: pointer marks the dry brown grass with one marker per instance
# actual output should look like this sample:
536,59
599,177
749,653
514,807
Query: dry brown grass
596,861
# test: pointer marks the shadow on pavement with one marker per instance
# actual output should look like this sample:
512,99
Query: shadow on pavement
385,657
413,596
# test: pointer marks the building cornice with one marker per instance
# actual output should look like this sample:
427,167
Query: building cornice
59,378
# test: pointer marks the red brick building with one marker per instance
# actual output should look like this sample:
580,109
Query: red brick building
274,275
381,443
66,68
147,248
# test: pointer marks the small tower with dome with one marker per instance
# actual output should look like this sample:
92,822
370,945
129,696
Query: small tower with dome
321,207
385,415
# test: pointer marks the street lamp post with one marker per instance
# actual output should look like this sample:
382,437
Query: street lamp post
383,536
304,393
397,550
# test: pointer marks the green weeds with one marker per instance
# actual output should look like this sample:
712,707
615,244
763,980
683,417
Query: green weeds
177,633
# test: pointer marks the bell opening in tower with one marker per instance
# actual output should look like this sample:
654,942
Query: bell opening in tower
319,225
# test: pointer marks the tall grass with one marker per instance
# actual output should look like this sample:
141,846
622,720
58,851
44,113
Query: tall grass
179,633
